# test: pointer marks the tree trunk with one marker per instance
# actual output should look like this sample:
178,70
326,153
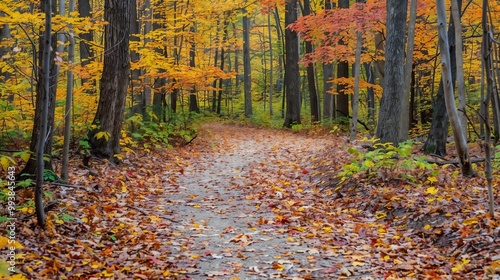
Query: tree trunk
408,69
328,97
342,72
438,133
271,63
86,51
390,104
370,95
69,98
193,102
139,105
247,76
456,6
41,94
311,81
222,62
105,139
458,134
357,73
486,51
159,85
292,76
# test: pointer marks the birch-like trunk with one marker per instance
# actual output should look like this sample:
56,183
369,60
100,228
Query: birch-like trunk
458,134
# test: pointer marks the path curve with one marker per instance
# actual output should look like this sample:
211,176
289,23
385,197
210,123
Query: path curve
224,204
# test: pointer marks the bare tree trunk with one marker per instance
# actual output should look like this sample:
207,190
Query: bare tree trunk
490,90
357,73
462,113
458,134
105,140
311,81
342,72
69,98
247,79
41,94
193,102
390,104
46,41
408,68
292,76
370,95
271,68
86,51
328,97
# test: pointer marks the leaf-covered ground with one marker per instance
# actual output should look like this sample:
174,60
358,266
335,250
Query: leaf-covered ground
248,203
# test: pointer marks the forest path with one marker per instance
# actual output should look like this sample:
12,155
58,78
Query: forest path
240,206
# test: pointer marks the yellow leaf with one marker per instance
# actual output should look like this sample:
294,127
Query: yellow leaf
368,163
432,179
461,265
427,227
470,221
102,134
196,206
327,229
18,277
5,162
25,156
3,241
107,274
195,256
431,190
380,215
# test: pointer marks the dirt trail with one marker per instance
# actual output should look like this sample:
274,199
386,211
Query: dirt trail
224,202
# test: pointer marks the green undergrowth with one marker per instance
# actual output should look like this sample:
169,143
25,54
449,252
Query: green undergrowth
384,160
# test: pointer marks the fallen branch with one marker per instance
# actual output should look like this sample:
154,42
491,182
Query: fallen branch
454,162
69,186
359,121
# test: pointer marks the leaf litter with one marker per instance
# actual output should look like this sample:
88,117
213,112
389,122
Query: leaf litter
249,203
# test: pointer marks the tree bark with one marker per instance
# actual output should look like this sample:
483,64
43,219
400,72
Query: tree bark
86,51
247,76
46,44
328,97
311,81
355,97
41,94
486,52
342,72
193,102
271,64
438,133
456,6
292,76
390,104
408,69
69,98
458,134
114,81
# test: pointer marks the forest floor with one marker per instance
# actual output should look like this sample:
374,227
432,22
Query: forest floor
251,203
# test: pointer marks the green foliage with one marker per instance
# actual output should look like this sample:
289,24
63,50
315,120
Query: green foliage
153,132
296,127
49,175
385,157
25,183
